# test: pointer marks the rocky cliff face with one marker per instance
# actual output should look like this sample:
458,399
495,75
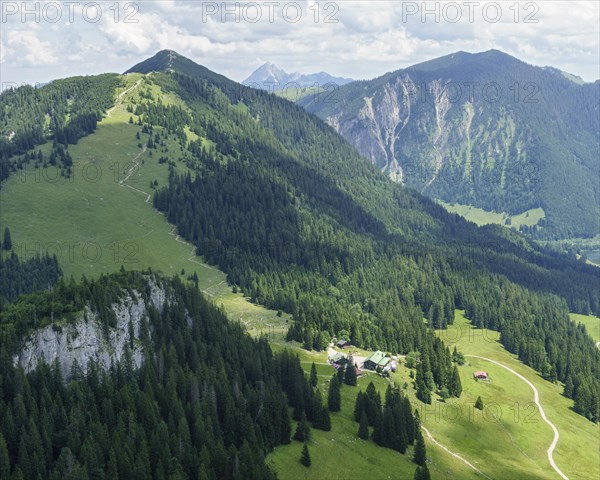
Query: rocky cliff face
84,340
479,129
425,140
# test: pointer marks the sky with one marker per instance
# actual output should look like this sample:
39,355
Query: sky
41,41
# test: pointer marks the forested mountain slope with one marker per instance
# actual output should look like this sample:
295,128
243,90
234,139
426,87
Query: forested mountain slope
64,110
301,222
481,129
202,400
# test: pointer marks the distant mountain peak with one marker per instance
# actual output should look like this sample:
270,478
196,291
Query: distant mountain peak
171,61
160,62
453,60
270,77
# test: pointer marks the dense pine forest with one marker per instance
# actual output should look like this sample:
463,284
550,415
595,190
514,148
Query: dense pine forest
208,402
19,277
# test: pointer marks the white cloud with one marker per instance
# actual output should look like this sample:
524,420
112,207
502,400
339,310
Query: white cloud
5,52
367,39
27,49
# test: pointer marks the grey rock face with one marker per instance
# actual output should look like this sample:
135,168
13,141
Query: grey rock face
80,342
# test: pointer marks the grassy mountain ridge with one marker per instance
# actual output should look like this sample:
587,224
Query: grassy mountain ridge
481,129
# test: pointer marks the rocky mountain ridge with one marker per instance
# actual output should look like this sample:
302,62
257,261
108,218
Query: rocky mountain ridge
272,78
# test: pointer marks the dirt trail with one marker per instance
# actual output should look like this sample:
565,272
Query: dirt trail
455,455
121,95
536,399
134,165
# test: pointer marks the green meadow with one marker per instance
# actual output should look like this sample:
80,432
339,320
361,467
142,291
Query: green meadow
509,437
592,324
484,217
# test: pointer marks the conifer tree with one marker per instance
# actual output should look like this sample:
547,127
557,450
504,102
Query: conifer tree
454,383
302,433
420,454
359,406
423,390
325,420
479,403
305,458
363,429
350,374
314,379
7,241
422,473
334,397
372,404
341,373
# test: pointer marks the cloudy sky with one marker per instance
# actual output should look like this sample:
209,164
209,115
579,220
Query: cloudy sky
40,41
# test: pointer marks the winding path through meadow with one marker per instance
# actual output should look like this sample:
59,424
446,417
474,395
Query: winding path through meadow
536,399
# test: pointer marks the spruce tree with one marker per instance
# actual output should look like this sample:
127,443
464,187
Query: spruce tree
583,400
341,373
350,375
305,458
334,397
302,433
316,406
363,429
409,422
359,406
479,403
372,404
324,420
379,430
423,390
454,384
568,390
420,454
7,241
422,473
314,379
